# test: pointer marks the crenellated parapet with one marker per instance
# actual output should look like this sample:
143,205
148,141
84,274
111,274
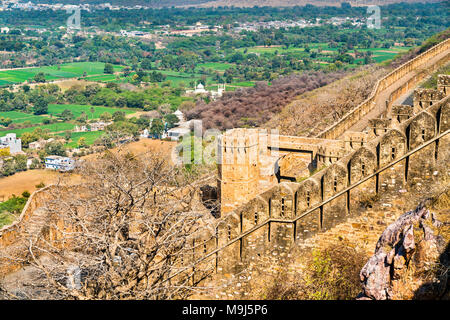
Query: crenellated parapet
294,211
423,98
443,83
401,112
378,127
330,154
354,140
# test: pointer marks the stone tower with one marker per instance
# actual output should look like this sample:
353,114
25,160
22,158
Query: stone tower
238,167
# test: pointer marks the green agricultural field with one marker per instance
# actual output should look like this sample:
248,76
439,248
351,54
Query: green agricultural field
243,84
217,66
379,54
271,49
54,109
90,137
177,77
104,77
54,127
67,70
20,117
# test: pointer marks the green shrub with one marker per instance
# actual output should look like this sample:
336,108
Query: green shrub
331,273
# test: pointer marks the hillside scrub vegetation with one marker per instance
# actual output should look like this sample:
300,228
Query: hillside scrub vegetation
252,107
331,273
12,207
314,111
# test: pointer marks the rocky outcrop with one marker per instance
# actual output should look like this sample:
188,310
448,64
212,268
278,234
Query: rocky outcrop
410,260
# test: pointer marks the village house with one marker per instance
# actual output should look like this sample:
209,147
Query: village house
179,115
12,143
94,126
145,133
37,145
30,160
82,128
59,163
99,126
183,129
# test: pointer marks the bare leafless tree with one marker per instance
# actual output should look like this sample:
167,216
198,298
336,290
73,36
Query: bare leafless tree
121,234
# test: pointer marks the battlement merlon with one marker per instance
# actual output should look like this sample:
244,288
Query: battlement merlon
443,83
443,80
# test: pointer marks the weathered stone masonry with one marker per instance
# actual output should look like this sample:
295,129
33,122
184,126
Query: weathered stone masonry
291,212
261,212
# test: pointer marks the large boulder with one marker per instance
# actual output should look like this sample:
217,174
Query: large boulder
410,260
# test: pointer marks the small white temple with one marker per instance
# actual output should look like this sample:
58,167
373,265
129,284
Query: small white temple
200,89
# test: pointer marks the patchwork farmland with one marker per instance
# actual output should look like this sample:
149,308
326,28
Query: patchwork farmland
59,128
55,109
55,72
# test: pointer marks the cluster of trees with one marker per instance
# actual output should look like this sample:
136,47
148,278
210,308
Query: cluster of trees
5,121
407,23
12,164
50,48
29,100
113,95
36,134
13,205
254,106
223,16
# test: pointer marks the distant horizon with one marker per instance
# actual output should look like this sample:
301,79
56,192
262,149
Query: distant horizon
230,3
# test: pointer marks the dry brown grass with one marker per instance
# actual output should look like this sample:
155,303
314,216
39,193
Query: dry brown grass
66,84
27,181
142,146
331,273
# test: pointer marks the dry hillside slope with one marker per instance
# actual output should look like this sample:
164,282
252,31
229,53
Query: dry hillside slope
314,111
